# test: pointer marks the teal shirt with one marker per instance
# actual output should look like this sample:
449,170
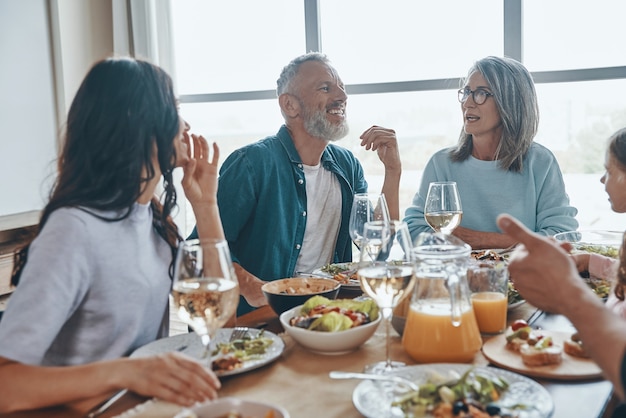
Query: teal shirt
262,200
536,195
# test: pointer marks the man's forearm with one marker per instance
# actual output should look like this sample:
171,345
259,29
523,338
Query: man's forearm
391,190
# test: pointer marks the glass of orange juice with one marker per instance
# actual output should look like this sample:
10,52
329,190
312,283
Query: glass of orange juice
488,283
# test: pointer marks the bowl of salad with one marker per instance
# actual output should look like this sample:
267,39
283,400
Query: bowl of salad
328,326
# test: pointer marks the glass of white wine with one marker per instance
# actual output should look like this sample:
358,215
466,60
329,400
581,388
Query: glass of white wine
442,209
387,274
205,290
366,207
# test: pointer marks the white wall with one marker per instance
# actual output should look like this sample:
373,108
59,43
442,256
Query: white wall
27,106
79,32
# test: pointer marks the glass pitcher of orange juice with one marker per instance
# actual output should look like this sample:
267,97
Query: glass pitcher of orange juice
440,325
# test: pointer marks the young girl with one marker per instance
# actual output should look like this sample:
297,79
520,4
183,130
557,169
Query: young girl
94,282
614,180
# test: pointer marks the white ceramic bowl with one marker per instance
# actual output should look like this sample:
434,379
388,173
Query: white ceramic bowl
340,342
222,406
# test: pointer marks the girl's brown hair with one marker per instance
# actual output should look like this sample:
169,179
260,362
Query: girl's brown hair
617,150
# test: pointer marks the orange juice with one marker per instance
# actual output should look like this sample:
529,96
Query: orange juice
430,337
490,310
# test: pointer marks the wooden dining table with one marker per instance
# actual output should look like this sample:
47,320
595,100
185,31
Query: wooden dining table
299,381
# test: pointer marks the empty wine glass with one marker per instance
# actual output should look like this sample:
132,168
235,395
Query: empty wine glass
366,207
205,290
442,209
387,274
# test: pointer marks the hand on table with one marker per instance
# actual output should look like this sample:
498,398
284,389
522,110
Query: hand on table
172,377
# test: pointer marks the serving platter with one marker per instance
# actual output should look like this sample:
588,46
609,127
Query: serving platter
352,284
373,399
571,368
191,345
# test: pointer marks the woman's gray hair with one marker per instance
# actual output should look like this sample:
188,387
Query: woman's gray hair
283,84
516,100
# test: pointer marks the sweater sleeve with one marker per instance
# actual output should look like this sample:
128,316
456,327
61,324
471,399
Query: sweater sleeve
554,212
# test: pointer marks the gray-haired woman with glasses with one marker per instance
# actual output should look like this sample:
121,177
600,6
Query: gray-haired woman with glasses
497,166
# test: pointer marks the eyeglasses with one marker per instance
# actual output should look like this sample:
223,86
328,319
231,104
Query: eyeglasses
479,95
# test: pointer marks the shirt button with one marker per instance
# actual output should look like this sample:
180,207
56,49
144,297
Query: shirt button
300,181
304,213
299,165
298,246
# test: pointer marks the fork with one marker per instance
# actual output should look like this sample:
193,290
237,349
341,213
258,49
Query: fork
367,376
238,333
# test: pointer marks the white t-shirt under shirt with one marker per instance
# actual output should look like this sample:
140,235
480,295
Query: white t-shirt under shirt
323,218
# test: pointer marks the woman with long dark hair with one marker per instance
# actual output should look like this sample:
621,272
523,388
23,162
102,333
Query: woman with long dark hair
93,284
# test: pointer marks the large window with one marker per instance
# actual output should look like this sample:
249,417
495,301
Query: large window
402,62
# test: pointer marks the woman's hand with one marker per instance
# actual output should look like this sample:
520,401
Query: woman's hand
200,173
172,377
200,185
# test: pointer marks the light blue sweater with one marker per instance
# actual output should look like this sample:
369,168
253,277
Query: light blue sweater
536,196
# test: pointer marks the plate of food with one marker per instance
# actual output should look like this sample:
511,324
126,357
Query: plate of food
541,353
492,391
344,273
256,349
233,408
601,242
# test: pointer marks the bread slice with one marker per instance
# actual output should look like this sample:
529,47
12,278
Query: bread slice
515,344
533,357
576,349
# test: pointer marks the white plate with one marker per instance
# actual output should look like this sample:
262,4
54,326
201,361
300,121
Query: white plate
191,345
220,407
352,284
516,304
373,399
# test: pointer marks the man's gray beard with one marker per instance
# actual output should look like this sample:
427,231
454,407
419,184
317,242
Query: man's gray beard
318,126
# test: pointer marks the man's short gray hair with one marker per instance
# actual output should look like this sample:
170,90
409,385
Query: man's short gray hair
283,84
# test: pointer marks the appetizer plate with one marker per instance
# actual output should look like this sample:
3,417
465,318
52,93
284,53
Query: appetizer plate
373,399
571,368
191,345
353,284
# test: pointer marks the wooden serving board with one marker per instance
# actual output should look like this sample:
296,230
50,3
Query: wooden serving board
571,368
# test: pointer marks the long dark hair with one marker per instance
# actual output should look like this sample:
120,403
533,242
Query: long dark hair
617,150
124,110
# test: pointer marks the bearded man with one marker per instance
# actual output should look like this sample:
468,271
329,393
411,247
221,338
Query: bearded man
285,200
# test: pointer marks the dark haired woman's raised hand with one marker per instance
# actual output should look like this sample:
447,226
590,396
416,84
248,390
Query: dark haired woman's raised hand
200,185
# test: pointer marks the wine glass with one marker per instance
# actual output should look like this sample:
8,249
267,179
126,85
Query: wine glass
366,207
442,209
205,290
387,274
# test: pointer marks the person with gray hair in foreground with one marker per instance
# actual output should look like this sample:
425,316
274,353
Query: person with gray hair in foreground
547,277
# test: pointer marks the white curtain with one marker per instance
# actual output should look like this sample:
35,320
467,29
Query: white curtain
142,29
